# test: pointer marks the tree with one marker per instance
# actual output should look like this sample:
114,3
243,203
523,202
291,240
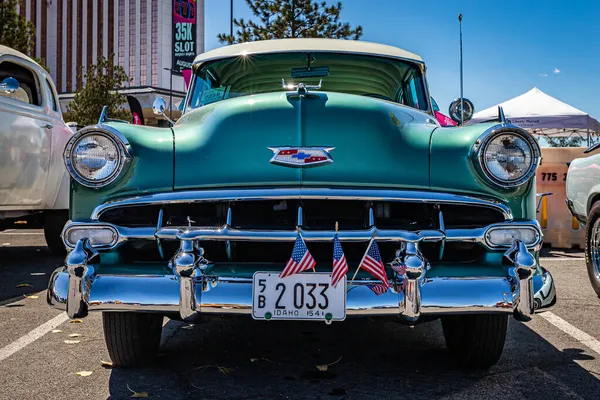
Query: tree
564,141
102,82
291,19
15,30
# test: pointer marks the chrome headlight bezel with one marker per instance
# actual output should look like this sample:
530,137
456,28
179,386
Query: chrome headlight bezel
109,133
486,139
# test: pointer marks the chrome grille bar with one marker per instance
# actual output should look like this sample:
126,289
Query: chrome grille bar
226,233
408,196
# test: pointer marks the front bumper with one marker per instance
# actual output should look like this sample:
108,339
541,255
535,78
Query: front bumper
194,289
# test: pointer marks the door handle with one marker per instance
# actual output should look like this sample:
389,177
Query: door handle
47,126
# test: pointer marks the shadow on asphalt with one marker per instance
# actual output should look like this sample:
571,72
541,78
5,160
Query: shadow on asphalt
562,253
246,359
30,265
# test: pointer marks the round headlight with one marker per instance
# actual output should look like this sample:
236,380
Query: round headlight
95,158
509,158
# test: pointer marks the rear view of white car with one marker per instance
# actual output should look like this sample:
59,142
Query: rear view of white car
33,180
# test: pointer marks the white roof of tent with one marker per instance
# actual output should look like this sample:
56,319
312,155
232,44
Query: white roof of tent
542,114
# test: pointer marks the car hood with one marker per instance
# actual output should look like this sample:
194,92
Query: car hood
375,143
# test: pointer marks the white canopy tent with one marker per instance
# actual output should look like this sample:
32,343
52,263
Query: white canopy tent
544,115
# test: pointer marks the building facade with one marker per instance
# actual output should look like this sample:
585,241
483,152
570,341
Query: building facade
72,34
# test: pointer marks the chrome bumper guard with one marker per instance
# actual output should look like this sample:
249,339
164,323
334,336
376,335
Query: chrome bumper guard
190,291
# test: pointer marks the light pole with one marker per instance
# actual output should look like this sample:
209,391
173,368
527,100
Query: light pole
170,91
231,18
462,105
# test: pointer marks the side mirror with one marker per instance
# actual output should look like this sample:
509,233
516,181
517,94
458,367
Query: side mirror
455,110
9,85
159,106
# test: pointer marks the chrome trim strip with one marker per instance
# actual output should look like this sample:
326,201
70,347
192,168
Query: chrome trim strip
303,193
226,233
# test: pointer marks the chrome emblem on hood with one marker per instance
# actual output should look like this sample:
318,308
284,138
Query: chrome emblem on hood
301,156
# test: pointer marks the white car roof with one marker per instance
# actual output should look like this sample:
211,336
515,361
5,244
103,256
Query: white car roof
307,45
4,50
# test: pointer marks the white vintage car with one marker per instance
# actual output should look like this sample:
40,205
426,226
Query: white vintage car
34,184
583,200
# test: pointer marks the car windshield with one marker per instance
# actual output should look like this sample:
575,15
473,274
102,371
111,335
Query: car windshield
393,80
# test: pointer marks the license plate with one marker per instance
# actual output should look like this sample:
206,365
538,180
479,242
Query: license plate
305,296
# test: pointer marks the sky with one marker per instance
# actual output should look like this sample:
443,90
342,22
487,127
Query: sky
509,46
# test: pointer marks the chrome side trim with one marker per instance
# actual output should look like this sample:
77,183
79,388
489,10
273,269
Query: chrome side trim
303,194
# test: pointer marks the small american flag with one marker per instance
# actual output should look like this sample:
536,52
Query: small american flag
340,266
400,270
372,263
301,259
378,289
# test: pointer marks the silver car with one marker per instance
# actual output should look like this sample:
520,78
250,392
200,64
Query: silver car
34,184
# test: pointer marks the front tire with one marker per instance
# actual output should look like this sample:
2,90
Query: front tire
475,341
592,247
54,222
132,339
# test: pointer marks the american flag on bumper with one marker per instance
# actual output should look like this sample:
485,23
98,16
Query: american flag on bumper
301,259
378,289
373,264
340,266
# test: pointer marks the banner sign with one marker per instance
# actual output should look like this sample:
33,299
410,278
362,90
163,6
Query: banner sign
184,35
136,110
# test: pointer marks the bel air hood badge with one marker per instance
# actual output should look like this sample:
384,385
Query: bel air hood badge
301,156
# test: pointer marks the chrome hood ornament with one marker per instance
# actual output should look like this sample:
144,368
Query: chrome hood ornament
301,156
301,87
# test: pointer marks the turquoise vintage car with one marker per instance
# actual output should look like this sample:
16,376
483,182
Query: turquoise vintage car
283,145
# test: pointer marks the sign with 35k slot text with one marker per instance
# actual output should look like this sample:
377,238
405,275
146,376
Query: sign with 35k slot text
184,34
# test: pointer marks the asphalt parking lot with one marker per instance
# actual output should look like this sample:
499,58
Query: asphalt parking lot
555,356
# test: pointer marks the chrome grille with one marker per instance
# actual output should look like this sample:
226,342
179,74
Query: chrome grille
314,214
259,226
